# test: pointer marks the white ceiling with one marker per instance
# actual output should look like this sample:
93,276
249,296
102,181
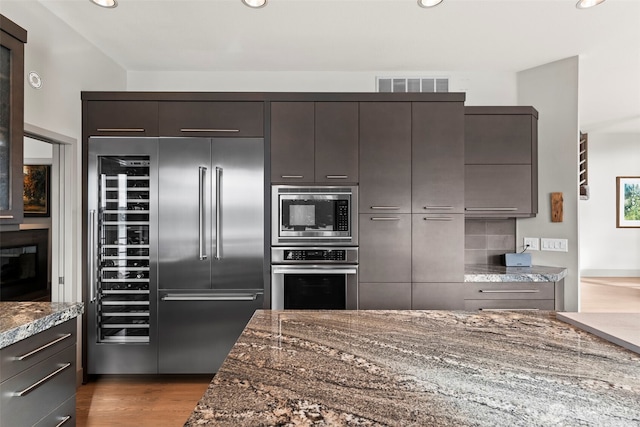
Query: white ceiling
382,36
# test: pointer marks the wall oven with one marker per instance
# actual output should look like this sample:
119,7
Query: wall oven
314,278
314,215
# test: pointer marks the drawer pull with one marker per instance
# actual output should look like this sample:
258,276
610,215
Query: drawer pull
387,208
509,291
6,216
438,207
120,129
337,177
491,209
42,381
436,218
509,309
39,349
292,176
64,420
385,218
208,130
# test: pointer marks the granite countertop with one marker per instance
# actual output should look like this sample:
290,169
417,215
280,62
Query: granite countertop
20,320
498,273
420,368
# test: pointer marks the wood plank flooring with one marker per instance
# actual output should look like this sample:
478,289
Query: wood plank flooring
167,401
138,400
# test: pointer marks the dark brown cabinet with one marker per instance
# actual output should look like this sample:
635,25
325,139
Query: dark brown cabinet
385,248
211,118
501,162
385,157
314,142
437,249
121,118
384,296
438,157
437,296
12,40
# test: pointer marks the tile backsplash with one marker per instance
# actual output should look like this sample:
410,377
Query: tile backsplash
486,240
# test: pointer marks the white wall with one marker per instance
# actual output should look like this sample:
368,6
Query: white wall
67,64
482,88
604,249
553,90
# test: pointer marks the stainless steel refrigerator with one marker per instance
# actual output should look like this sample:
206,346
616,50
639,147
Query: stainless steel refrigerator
176,251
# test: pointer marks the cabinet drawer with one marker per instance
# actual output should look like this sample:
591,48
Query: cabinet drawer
242,119
121,118
63,416
37,348
43,386
513,304
511,290
384,296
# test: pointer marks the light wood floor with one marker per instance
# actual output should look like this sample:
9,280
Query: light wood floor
150,401
610,295
138,400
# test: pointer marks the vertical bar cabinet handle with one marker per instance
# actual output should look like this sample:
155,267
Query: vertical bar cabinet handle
92,255
202,214
218,212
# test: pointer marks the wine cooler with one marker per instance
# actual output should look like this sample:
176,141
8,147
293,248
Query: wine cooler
122,233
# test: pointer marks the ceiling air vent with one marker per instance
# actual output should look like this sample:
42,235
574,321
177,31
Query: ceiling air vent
413,84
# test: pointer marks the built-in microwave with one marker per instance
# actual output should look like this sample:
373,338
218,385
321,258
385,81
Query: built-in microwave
314,215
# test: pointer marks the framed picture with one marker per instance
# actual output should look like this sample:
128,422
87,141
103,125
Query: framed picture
36,190
628,201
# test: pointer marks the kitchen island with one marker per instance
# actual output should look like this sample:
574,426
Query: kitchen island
420,368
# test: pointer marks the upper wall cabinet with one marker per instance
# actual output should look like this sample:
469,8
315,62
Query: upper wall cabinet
12,40
501,162
314,142
211,118
121,118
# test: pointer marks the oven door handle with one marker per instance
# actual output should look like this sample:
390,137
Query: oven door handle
319,270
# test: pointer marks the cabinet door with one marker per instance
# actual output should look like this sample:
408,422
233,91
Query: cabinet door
437,248
498,138
437,296
385,248
384,296
11,121
385,157
498,191
224,119
121,118
292,142
438,157
336,142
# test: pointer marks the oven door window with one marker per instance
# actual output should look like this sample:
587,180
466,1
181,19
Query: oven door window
315,291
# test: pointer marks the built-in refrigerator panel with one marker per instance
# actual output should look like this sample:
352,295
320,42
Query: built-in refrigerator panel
122,255
185,213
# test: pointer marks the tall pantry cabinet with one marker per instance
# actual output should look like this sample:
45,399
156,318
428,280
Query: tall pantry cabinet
411,201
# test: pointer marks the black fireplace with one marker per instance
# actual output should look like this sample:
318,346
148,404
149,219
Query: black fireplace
24,274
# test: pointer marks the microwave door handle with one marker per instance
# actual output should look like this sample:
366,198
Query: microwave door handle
218,212
296,270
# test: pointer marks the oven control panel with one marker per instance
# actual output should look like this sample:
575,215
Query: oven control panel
295,255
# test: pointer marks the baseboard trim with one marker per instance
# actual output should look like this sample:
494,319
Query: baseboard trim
610,273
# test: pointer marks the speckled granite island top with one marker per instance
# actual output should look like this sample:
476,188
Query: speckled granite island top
498,273
420,368
20,320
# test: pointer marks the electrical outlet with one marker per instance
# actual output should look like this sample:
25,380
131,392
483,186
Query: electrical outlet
533,242
557,245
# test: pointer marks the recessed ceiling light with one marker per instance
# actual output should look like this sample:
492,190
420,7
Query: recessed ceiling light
585,4
105,3
429,3
255,3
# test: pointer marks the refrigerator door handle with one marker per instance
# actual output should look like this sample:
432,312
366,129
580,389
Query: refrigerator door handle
92,255
202,214
204,297
218,212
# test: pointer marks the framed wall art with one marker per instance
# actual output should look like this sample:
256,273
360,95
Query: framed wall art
628,202
37,188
